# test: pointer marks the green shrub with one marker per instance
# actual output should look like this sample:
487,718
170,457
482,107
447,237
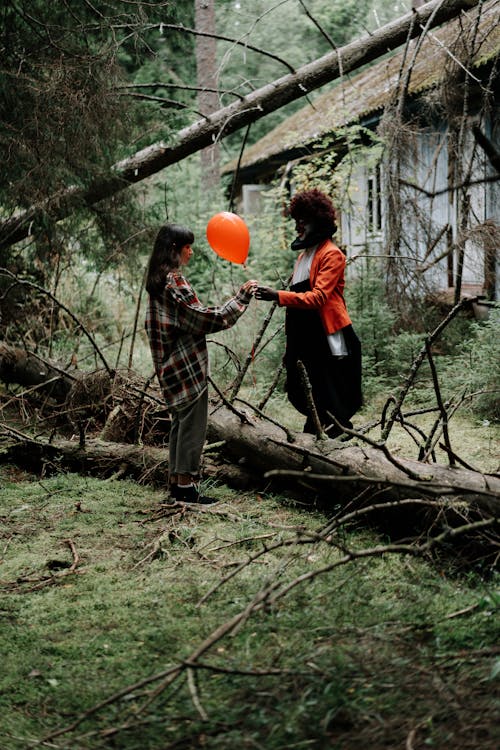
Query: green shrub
475,372
373,322
404,348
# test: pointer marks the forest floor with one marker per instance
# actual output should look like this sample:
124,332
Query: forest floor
110,596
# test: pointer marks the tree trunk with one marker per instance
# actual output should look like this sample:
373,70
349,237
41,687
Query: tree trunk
227,120
319,468
342,470
144,464
208,98
258,450
26,369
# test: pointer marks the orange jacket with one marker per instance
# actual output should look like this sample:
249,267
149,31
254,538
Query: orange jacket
327,289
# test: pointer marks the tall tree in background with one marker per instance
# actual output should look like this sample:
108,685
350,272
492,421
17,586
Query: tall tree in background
208,98
275,94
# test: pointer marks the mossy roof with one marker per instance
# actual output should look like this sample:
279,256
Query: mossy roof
358,98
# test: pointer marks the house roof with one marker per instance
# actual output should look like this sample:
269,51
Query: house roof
359,97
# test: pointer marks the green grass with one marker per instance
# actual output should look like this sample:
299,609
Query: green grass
359,657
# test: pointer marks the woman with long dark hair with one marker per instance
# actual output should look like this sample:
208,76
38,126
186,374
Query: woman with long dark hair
319,332
177,324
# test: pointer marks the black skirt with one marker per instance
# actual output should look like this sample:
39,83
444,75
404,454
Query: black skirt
335,381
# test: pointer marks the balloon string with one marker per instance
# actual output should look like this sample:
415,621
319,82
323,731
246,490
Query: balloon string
255,342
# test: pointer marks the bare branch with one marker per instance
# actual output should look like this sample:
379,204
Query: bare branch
289,434
227,120
418,361
237,42
272,387
178,87
79,324
307,388
251,354
265,598
241,415
442,409
450,188
381,446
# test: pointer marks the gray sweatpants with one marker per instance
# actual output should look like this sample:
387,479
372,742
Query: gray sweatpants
187,436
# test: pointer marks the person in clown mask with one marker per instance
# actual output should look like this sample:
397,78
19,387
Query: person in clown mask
319,331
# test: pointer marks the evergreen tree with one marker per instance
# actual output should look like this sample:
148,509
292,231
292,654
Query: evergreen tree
67,113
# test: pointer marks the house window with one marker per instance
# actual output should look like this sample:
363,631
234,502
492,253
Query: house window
252,199
375,200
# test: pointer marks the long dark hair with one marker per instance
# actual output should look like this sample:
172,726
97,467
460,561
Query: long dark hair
166,255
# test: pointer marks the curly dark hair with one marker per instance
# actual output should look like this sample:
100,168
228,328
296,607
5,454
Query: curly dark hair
315,207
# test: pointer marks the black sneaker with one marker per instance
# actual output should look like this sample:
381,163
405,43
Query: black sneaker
191,494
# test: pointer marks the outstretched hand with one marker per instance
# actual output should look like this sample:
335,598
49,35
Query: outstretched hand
266,293
247,291
250,286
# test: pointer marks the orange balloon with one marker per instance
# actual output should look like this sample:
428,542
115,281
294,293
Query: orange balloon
228,236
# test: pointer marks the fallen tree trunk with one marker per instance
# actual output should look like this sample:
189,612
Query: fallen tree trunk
260,453
403,498
253,449
25,368
344,470
145,464
227,120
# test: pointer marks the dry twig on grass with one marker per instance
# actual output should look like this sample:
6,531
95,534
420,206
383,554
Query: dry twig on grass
263,600
39,582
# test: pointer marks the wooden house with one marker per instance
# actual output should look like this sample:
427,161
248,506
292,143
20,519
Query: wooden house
431,201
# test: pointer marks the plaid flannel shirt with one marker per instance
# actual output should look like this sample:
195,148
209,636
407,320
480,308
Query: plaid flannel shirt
176,325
